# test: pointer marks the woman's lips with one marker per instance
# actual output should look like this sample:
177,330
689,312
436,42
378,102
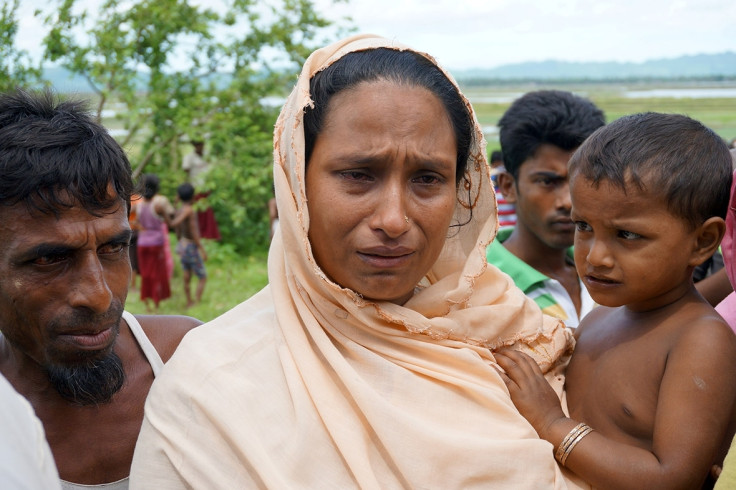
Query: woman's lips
385,257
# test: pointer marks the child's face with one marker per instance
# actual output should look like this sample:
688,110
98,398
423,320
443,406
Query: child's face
629,249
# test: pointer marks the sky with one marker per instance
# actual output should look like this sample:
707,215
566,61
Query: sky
465,34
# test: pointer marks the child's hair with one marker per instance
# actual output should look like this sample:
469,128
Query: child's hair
668,154
185,191
150,185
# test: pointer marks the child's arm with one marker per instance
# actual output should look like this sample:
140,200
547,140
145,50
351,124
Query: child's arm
194,233
694,407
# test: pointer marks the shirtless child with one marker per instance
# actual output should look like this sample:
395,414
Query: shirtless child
654,368
190,249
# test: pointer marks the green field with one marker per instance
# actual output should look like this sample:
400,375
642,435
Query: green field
717,113
233,278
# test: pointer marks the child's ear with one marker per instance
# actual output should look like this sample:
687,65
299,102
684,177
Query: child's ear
708,238
506,186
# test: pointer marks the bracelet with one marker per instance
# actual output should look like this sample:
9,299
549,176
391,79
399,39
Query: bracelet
570,441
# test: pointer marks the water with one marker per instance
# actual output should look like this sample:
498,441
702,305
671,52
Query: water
683,93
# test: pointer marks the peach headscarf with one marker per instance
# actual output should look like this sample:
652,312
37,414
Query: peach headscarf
308,385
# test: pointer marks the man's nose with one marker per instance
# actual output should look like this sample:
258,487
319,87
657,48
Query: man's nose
90,289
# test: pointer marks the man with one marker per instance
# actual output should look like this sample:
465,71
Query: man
538,134
196,168
66,345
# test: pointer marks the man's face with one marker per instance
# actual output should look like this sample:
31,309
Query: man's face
542,197
63,282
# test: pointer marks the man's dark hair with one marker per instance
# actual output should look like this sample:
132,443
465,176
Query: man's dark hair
402,67
666,154
185,191
551,117
52,151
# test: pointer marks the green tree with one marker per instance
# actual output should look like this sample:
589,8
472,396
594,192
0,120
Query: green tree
177,71
16,68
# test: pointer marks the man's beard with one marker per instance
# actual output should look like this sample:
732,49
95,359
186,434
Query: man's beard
89,383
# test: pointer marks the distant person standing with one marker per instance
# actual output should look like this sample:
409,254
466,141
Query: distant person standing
539,133
189,248
196,168
506,209
151,256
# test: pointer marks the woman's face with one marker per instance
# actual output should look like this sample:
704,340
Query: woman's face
381,188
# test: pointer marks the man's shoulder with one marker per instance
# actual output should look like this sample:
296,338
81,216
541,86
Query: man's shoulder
166,331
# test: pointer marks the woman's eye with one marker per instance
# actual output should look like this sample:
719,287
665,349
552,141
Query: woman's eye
426,179
354,175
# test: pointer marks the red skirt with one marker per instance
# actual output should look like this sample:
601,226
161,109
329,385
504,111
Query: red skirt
154,276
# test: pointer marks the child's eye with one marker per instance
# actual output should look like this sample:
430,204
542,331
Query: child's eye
628,235
582,226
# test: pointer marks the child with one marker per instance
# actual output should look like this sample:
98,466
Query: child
190,246
654,368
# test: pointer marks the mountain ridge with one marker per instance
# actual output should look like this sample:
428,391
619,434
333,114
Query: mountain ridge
688,66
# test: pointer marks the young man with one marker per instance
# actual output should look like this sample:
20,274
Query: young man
654,367
539,133
190,249
83,363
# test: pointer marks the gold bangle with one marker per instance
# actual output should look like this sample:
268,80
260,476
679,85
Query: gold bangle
566,441
570,441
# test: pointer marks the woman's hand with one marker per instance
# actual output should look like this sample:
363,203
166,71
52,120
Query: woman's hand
531,393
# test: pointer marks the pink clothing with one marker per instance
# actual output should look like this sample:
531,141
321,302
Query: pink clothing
727,307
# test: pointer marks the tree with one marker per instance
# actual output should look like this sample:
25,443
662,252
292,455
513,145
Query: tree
16,69
181,72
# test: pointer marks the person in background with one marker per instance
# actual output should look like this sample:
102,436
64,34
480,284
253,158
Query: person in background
151,241
189,247
67,345
133,250
539,132
651,386
366,362
506,210
196,168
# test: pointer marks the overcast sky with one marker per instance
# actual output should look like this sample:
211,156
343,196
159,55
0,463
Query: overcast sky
487,33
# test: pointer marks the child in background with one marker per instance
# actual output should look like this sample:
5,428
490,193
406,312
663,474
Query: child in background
190,249
654,367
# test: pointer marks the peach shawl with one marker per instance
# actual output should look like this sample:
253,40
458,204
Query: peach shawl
308,385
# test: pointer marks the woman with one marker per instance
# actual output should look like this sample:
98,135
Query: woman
151,242
366,362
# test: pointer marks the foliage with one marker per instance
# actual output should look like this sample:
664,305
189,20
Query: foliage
15,65
184,72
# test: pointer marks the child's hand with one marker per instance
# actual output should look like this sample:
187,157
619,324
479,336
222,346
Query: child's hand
533,396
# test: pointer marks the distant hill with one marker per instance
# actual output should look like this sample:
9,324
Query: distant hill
693,66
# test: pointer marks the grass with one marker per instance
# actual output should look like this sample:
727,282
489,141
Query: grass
233,278
716,113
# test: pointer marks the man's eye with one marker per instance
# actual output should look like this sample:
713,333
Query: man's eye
49,259
113,248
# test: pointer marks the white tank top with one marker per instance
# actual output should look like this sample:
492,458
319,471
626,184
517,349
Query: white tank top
156,365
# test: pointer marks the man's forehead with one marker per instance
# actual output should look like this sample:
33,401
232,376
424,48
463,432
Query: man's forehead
22,222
